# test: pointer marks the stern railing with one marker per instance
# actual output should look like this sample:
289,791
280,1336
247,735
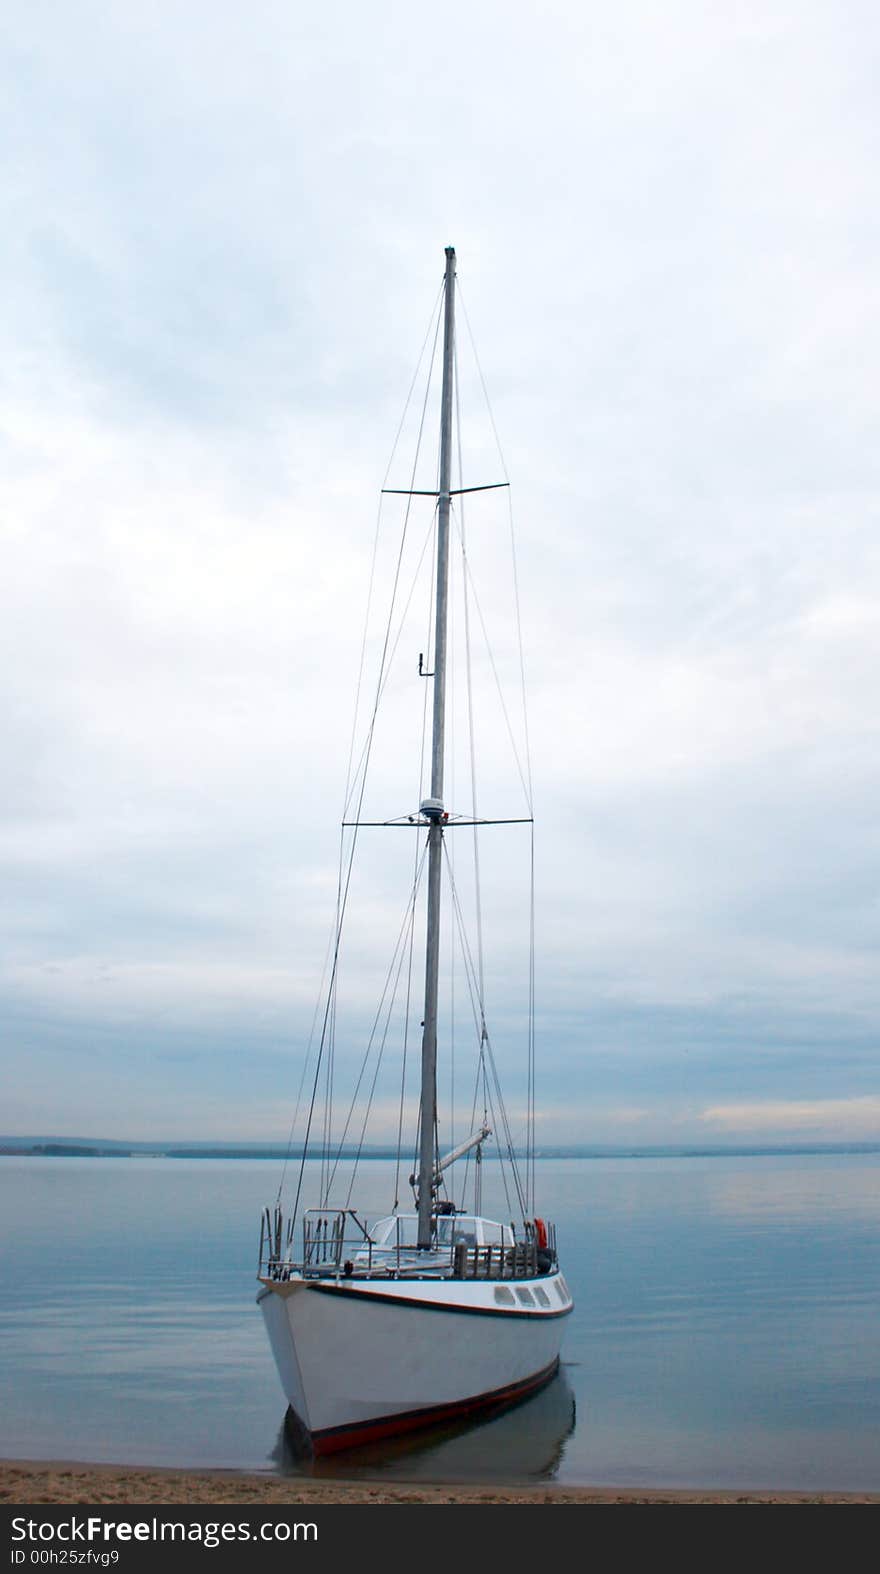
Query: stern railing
337,1243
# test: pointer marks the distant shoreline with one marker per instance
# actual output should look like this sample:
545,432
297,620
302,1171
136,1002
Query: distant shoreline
99,1148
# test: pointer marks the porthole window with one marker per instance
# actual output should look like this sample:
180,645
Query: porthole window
524,1296
541,1297
503,1296
559,1291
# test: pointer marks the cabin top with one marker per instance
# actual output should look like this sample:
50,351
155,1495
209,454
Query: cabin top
401,1229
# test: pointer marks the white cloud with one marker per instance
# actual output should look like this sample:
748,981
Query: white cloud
847,1119
226,236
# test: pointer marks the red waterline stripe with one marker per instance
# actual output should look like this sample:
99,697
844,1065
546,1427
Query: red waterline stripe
338,1437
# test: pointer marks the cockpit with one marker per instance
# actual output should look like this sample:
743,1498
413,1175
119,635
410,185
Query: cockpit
450,1229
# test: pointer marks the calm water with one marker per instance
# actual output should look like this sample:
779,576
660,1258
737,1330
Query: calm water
726,1331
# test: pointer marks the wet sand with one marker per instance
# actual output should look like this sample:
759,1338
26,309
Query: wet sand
25,1482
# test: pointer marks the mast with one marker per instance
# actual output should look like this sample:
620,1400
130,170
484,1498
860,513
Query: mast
432,808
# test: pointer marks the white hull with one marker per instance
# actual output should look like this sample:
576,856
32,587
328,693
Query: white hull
361,1359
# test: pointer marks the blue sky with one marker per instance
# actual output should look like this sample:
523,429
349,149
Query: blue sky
224,236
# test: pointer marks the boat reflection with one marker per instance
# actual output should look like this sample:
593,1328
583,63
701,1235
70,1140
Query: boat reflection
518,1442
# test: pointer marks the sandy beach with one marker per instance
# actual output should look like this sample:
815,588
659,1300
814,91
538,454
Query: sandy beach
25,1482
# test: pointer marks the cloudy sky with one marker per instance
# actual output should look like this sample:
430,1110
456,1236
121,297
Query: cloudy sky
223,240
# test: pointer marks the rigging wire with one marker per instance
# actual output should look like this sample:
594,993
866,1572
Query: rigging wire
513,552
433,321
524,775
306,1062
356,777
430,536
527,746
348,873
397,956
421,784
485,1040
401,948
530,1131
450,796
406,1020
470,710
386,658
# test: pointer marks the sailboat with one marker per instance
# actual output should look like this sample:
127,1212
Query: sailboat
440,1312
